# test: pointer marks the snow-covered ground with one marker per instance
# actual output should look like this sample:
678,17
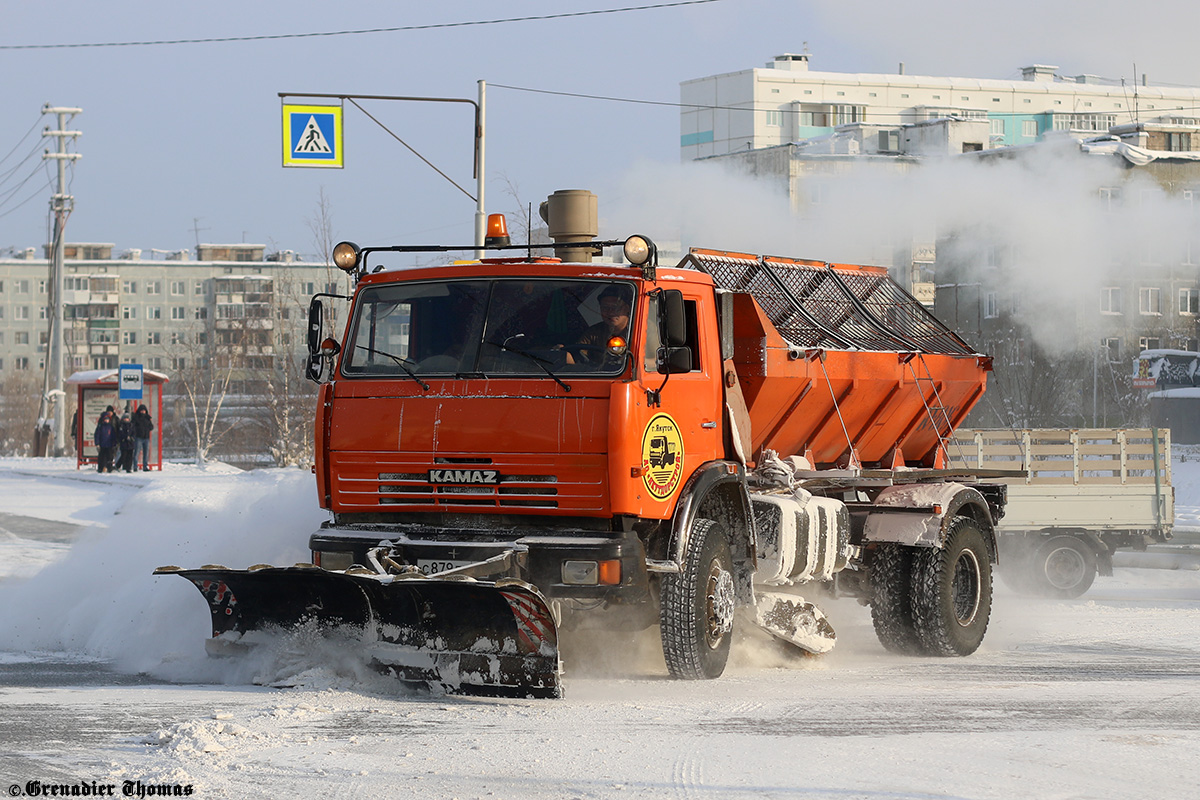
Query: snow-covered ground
103,678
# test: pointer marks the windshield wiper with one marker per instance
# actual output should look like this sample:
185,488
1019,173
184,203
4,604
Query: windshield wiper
399,363
541,362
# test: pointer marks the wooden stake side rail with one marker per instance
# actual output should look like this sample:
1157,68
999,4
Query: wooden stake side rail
1079,456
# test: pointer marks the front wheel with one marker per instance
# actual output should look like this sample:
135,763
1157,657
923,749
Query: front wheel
697,605
952,592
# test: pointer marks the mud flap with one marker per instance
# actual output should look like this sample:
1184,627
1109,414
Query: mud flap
794,620
463,636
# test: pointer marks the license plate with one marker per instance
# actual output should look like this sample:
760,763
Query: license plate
433,567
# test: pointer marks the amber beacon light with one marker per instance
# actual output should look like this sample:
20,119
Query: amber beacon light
497,231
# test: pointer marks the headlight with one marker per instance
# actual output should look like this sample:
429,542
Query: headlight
345,256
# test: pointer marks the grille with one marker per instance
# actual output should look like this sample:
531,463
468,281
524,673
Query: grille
531,482
516,491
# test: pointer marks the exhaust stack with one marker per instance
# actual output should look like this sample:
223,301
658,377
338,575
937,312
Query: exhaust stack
572,220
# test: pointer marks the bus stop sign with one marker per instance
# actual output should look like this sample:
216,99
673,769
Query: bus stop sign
130,381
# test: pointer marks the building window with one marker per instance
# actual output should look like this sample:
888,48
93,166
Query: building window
178,312
178,363
21,286
775,118
1189,301
21,362
128,337
1029,128
178,338
153,312
1149,343
202,338
200,312
1111,348
129,287
153,287
1109,196
1110,300
198,289
903,96
177,288
153,337
1149,300
21,337
42,284
991,308
129,312
1179,142
997,127
21,312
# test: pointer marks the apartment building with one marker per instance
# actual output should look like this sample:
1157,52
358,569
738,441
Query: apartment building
162,312
787,101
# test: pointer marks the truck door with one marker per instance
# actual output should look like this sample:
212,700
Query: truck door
668,441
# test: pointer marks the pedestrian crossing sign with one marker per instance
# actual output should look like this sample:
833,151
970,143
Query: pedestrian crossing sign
312,136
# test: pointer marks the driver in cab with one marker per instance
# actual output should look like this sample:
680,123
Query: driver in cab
614,321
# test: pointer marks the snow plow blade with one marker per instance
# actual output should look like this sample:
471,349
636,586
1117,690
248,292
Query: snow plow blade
461,635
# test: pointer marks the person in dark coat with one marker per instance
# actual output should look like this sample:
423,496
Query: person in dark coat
106,440
125,442
142,425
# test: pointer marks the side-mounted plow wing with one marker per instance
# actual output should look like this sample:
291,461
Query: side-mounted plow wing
467,636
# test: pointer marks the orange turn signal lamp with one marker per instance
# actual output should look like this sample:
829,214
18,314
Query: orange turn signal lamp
617,345
592,573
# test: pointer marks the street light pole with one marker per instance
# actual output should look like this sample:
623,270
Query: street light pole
480,216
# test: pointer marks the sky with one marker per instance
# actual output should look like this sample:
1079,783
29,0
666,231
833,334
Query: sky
182,143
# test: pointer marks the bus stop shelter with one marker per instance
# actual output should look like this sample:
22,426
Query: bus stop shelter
97,389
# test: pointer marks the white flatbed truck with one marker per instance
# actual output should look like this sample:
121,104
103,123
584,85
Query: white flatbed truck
1083,494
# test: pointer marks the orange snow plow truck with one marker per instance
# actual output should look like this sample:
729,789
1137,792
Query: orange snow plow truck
513,445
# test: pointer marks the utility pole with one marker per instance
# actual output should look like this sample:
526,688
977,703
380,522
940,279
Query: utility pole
61,204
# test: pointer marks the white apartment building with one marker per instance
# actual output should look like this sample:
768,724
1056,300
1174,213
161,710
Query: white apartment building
786,101
161,313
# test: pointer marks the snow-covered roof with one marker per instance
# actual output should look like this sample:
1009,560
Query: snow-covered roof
110,376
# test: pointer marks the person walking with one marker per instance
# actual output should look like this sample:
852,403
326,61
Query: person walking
125,442
106,440
142,425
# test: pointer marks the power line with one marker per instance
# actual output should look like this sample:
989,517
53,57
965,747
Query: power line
432,26
22,139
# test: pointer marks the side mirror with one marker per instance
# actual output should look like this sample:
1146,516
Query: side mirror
672,320
673,360
316,317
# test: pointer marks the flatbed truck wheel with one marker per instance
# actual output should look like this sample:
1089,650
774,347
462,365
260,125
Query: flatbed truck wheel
1063,567
697,605
891,598
952,592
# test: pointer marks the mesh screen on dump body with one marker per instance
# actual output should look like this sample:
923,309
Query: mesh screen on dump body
814,304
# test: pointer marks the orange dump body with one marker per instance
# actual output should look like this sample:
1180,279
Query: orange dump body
834,355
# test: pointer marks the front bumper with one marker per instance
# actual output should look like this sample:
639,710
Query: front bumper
540,555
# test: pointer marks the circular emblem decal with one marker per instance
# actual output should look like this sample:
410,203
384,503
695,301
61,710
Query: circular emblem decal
662,456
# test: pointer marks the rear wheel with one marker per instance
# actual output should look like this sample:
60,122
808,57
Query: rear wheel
891,598
697,605
952,592
1063,567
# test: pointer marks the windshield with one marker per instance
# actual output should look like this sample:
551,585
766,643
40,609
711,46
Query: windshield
519,326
